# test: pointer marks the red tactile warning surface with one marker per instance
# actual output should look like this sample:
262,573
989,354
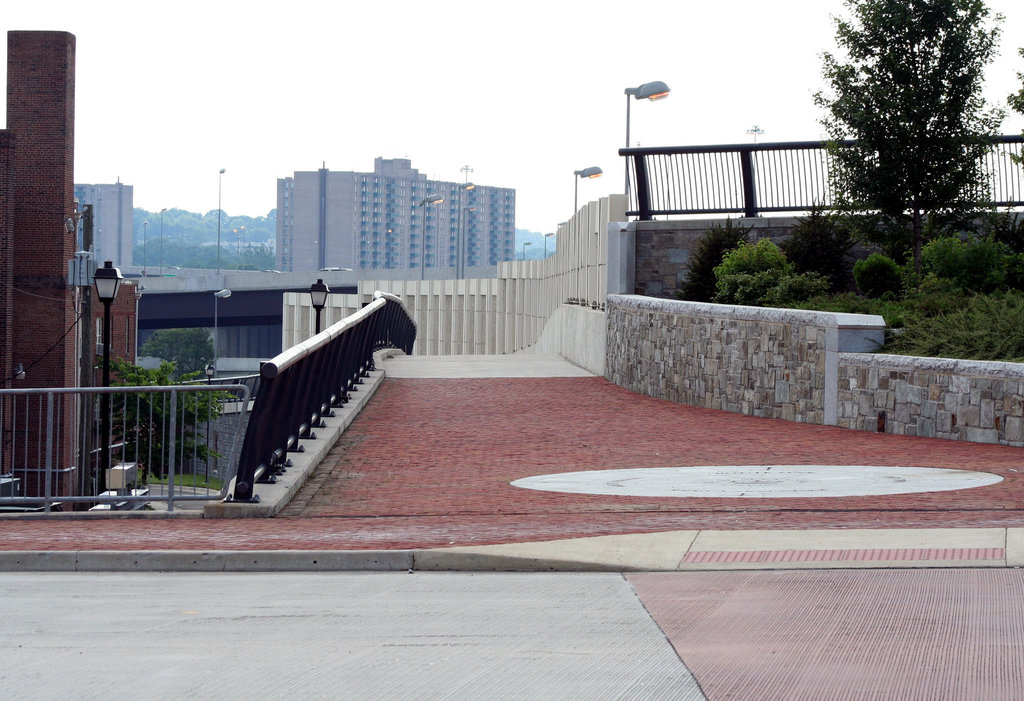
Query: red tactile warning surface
845,634
428,463
846,555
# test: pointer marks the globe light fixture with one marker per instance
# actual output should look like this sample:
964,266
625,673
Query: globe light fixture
318,292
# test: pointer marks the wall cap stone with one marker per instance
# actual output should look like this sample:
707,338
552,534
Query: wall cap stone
953,366
741,313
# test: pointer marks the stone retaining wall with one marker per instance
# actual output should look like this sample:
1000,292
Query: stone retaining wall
935,397
809,367
774,363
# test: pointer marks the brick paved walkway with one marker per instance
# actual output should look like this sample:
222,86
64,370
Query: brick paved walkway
429,461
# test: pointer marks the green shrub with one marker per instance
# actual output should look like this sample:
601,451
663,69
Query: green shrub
892,311
987,327
933,295
707,254
821,243
745,288
759,275
877,276
794,288
753,258
1005,227
1015,271
978,265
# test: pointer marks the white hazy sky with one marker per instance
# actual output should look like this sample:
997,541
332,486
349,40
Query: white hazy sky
525,93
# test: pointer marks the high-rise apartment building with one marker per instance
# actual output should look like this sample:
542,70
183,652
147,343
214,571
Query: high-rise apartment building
112,216
386,219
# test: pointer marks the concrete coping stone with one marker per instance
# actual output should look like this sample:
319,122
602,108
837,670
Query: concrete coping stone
835,320
952,366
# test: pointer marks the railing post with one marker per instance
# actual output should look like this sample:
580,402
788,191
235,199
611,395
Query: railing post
749,192
643,188
171,449
48,479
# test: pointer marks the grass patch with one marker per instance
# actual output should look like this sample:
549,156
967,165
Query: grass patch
191,480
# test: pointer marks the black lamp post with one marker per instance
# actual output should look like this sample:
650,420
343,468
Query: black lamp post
209,373
318,292
107,280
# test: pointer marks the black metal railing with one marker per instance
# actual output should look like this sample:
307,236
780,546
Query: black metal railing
302,384
748,179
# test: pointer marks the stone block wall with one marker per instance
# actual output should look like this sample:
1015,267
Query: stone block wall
976,401
807,366
773,363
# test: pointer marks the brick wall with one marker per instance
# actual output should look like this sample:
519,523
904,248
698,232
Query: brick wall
122,323
6,271
40,117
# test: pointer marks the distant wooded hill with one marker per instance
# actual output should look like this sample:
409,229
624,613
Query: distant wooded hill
189,240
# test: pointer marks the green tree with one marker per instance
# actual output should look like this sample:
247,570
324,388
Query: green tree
908,90
189,350
820,243
147,416
1016,102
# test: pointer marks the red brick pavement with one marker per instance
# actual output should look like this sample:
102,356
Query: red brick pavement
428,463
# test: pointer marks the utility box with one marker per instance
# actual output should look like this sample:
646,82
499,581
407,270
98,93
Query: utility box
10,487
122,475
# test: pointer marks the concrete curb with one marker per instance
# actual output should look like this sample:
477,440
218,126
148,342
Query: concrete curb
672,551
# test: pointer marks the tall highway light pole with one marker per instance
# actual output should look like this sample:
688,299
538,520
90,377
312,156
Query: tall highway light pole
655,90
589,173
429,199
220,178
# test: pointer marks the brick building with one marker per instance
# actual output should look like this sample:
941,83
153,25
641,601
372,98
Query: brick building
39,309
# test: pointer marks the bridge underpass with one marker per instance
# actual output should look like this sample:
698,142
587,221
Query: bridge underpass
248,322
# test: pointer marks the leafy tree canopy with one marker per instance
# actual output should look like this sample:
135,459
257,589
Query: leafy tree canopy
908,89
189,350
189,240
1016,101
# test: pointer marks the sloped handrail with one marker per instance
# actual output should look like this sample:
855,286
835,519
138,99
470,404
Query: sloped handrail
300,385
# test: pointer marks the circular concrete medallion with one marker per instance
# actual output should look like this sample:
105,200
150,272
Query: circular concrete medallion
760,481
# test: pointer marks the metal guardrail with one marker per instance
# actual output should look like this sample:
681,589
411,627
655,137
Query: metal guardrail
252,382
748,179
159,434
302,384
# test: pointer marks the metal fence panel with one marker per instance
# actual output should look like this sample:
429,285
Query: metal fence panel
158,438
770,177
